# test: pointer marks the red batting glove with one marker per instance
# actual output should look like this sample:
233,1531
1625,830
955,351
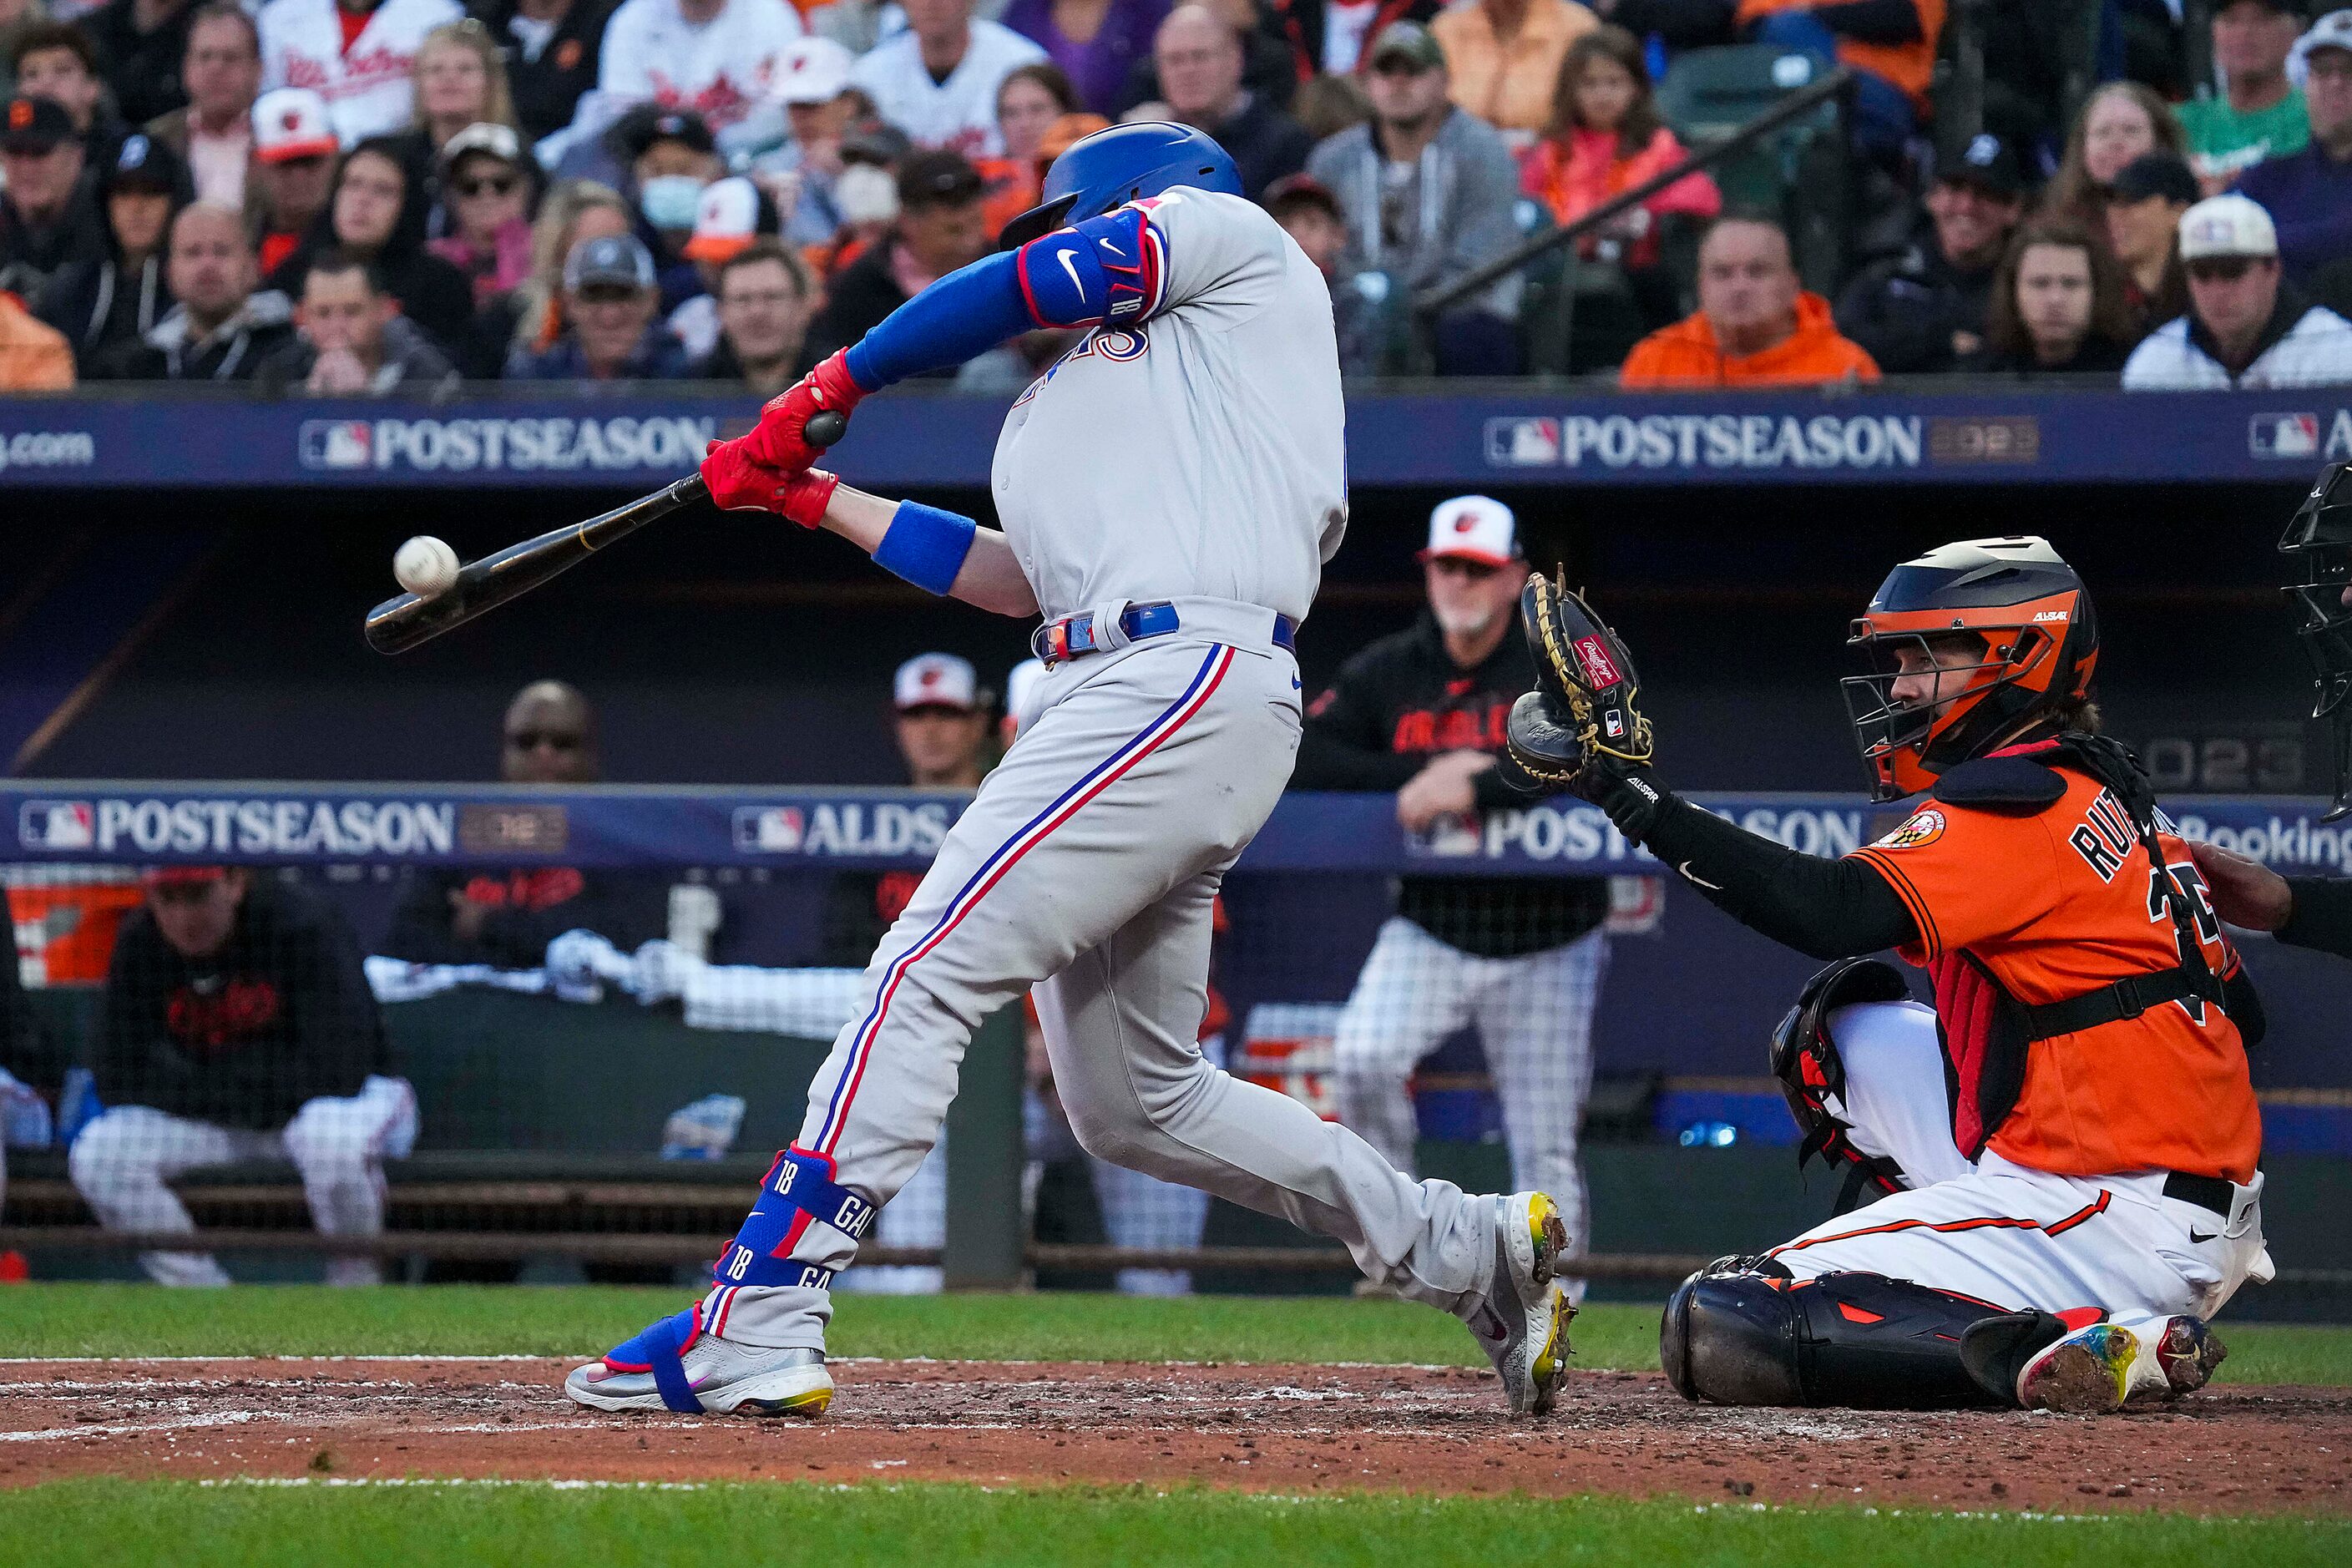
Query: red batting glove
738,483
777,440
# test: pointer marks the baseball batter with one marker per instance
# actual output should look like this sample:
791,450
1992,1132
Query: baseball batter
1168,492
2058,1226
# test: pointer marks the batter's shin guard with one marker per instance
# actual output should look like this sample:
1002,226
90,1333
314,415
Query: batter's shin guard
1740,1331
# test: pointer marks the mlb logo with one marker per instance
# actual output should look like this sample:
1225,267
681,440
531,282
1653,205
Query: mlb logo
56,825
1523,443
2282,435
769,829
1614,722
336,443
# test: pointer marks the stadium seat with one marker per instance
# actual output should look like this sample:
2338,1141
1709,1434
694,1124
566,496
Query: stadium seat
1798,174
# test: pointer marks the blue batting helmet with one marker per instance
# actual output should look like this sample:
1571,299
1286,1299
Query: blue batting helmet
1110,168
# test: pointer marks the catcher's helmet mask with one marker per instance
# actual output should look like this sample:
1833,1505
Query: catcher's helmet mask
1104,172
2320,537
2040,644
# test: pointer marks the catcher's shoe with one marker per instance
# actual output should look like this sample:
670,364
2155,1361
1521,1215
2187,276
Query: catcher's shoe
2103,1367
674,1365
1522,1319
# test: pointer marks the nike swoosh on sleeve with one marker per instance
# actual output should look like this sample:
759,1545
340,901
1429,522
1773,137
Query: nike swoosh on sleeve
1697,881
1071,268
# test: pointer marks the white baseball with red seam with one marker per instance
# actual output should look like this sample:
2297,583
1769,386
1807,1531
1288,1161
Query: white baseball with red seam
425,566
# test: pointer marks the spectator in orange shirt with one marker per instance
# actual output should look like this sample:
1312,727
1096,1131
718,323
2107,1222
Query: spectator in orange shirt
1890,44
1605,138
34,357
1755,325
1503,58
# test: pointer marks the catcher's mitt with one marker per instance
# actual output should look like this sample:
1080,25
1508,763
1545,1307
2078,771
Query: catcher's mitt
1583,707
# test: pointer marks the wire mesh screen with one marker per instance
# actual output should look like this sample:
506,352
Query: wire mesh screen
379,1070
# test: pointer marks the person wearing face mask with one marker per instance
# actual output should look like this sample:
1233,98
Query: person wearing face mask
1421,713
376,213
99,303
672,158
940,227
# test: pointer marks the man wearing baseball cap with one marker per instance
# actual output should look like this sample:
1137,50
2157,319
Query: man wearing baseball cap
942,226
610,333
2309,193
942,726
48,215
2246,326
294,149
124,294
814,86
2143,203
238,1025
1426,190
1923,311
1421,713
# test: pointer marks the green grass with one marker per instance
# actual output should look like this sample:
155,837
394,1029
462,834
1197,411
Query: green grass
453,1319
83,1523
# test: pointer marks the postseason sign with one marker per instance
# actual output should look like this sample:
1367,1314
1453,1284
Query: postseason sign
120,823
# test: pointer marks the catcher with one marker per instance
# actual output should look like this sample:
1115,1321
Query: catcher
2066,1143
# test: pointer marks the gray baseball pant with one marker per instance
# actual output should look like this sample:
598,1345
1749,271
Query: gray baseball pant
1086,868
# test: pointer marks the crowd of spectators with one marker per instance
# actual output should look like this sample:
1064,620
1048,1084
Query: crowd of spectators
570,189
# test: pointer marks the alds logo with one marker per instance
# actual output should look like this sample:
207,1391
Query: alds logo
1925,828
1600,670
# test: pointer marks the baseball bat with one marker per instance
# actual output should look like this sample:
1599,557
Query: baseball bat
405,620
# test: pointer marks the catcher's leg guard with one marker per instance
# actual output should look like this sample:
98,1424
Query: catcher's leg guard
1740,1331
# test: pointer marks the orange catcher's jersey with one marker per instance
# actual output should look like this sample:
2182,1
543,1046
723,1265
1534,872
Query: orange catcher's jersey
2053,904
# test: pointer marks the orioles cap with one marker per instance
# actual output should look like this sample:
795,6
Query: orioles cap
1473,528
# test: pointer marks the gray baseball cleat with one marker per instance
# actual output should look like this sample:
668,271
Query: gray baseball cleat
674,1365
1522,1320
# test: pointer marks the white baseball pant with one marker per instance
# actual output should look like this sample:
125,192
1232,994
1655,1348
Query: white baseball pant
1086,868
1534,1016
2003,1233
121,1162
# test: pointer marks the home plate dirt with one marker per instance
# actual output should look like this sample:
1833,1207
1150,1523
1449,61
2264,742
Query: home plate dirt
1292,1429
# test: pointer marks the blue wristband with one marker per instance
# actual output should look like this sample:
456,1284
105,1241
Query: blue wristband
926,546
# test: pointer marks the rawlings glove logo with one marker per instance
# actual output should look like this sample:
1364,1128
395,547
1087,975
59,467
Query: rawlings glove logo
1600,670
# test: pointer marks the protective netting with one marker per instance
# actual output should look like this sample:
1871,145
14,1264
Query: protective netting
489,1073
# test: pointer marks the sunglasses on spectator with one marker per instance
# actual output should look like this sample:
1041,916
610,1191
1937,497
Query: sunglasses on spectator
492,184
2220,269
553,740
1399,65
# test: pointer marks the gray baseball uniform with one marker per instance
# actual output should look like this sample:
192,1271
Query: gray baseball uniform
1197,458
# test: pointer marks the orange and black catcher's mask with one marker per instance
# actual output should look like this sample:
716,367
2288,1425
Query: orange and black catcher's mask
2035,641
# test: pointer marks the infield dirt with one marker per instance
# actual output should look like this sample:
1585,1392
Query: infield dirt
1303,1429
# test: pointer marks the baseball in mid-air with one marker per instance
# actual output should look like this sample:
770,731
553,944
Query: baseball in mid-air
425,566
